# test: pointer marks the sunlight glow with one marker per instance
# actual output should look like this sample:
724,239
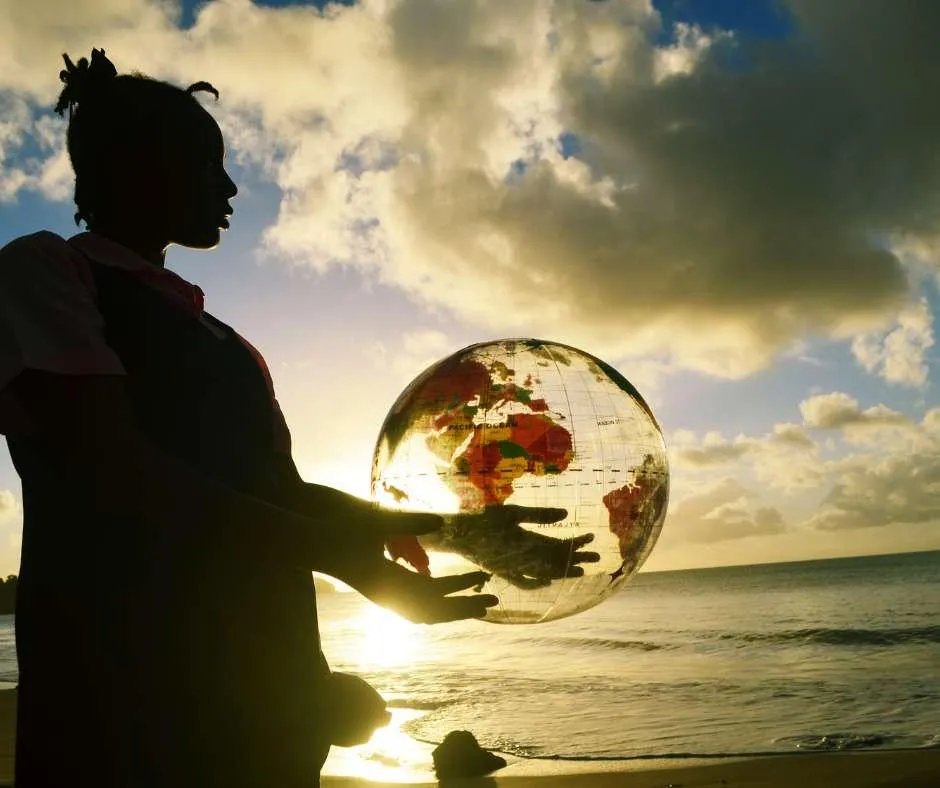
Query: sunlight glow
386,640
390,756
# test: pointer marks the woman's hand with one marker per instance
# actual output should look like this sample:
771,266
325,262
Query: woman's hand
528,558
423,599
356,710
359,561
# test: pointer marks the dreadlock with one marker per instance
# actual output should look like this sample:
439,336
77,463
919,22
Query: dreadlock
108,112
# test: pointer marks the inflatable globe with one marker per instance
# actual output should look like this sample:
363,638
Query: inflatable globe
526,423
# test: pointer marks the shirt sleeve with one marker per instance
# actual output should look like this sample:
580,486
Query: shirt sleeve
49,319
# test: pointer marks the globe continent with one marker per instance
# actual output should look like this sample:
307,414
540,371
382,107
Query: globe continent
529,423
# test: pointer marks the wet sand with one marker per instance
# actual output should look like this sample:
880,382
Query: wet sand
895,769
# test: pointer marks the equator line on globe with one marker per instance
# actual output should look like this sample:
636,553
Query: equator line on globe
525,423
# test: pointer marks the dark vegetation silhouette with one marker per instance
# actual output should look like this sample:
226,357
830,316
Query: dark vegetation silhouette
8,595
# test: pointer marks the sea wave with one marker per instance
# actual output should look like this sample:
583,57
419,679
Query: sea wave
831,742
418,705
809,636
792,745
840,637
603,643
704,755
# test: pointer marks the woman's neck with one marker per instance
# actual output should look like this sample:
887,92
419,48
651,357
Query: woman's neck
154,252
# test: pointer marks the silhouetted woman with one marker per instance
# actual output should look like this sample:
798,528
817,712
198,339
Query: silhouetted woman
166,620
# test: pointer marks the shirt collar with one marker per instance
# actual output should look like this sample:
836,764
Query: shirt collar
107,252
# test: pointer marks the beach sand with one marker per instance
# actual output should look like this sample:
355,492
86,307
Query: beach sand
897,769
887,769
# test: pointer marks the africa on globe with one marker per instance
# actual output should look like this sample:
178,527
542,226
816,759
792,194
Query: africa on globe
501,426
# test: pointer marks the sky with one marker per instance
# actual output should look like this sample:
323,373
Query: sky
735,204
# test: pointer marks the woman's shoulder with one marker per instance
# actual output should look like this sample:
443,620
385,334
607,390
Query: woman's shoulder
42,249
43,260
41,240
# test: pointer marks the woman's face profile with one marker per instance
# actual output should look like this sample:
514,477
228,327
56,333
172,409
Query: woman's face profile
182,190
199,188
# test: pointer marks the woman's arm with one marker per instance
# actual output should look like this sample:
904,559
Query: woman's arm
493,539
87,420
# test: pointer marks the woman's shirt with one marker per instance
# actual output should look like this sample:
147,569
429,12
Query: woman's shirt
49,318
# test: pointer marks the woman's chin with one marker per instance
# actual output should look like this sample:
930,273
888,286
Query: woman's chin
206,237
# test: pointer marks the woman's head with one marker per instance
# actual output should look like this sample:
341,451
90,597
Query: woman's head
148,158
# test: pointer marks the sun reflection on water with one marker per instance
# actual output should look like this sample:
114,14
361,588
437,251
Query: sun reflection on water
377,640
385,639
390,756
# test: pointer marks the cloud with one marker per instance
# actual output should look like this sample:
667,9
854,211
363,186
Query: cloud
898,355
931,421
838,410
902,488
548,168
792,435
721,513
682,57
785,459
895,483
883,471
714,449
427,343
8,505
416,351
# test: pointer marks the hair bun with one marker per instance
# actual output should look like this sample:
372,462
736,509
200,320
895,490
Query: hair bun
83,79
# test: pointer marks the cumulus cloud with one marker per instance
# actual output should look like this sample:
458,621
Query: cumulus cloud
884,472
722,512
792,435
931,421
898,356
8,505
549,168
902,488
839,410
715,449
784,459
682,57
413,352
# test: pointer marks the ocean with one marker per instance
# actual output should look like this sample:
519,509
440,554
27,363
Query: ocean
779,658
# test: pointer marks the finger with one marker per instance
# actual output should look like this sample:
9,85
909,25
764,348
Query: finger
455,608
580,541
574,571
528,583
450,584
537,514
585,558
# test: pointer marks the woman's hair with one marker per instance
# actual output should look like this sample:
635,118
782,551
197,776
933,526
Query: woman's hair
113,112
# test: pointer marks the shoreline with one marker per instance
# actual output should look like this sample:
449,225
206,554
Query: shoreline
867,769
394,759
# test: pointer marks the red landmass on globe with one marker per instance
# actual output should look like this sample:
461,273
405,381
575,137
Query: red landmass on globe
497,456
623,507
453,384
